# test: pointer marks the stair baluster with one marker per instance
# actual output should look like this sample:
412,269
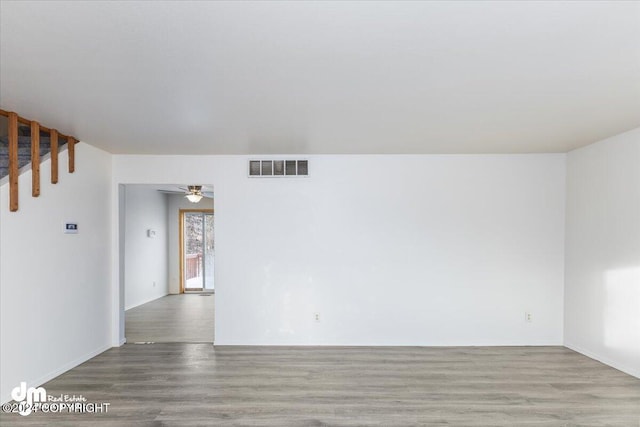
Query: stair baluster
35,158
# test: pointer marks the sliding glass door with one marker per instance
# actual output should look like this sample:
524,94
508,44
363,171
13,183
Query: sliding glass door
197,251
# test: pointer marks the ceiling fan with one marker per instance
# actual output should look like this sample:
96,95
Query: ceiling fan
193,193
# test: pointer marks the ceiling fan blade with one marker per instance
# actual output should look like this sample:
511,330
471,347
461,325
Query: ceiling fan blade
171,192
205,192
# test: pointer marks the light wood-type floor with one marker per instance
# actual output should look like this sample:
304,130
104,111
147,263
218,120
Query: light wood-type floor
184,318
203,385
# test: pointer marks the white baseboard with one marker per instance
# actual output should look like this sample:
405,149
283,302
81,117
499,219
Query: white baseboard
222,343
145,301
606,360
57,372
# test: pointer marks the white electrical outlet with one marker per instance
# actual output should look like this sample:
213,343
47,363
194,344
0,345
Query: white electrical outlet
154,283
527,317
316,317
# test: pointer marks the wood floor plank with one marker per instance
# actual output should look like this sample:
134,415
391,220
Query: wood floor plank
172,318
199,385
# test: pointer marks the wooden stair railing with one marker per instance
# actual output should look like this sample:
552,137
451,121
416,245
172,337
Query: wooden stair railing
36,128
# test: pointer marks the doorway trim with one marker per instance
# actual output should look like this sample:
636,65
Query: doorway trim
181,239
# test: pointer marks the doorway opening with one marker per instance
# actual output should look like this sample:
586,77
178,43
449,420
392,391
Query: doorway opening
196,251
153,305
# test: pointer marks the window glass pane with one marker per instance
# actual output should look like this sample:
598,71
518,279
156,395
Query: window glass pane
193,251
208,251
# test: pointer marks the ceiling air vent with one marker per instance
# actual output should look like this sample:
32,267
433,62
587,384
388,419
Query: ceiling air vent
278,168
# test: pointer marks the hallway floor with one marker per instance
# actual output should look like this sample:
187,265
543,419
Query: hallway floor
186,318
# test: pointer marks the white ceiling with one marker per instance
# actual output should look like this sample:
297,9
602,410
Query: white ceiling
324,77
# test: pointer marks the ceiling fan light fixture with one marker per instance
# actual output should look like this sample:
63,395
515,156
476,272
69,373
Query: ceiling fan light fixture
194,197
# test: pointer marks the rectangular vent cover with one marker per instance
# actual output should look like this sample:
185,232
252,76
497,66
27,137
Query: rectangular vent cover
278,168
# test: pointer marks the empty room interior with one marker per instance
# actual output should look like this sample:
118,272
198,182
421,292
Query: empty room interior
320,213
168,244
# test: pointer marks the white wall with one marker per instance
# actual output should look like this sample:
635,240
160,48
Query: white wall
390,250
175,202
145,257
602,297
55,289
